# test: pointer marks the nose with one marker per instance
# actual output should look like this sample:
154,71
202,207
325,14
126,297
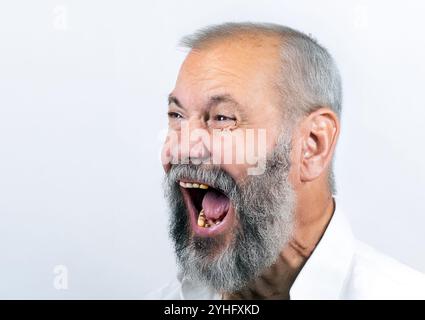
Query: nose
188,145
194,146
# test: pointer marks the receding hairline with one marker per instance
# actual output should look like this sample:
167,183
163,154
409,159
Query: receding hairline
210,35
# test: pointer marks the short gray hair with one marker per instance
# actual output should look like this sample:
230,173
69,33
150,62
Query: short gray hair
308,78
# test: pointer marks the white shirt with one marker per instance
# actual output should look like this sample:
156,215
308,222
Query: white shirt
340,267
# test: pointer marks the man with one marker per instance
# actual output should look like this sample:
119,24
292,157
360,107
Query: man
254,120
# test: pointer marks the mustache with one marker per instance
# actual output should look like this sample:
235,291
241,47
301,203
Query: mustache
212,175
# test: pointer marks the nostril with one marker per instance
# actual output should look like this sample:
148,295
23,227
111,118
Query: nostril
198,160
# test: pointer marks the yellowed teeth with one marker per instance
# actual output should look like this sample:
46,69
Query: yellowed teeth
204,222
193,185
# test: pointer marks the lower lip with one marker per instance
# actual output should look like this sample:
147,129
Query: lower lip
212,230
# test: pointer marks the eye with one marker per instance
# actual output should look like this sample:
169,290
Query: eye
174,115
221,117
220,121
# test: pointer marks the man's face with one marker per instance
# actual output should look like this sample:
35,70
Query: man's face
229,87
228,221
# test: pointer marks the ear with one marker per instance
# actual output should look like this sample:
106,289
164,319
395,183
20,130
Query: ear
320,133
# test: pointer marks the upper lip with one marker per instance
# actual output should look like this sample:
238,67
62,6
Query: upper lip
210,185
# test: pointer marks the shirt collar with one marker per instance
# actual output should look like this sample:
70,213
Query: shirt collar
324,274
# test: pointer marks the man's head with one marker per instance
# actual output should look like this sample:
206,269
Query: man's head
247,88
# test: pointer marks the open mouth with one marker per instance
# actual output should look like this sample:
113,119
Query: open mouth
210,210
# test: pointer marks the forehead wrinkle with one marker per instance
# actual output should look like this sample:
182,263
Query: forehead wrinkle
240,67
212,74
234,59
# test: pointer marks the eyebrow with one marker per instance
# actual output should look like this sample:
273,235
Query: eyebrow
226,98
212,101
174,100
223,98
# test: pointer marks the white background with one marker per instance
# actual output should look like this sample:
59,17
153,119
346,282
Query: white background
83,88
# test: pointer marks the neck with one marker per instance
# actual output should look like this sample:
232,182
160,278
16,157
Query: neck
276,281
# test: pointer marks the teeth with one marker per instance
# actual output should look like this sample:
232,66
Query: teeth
193,185
201,221
206,223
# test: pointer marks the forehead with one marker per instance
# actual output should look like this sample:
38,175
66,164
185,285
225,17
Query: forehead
245,68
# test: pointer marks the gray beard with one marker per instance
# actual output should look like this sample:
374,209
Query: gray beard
264,207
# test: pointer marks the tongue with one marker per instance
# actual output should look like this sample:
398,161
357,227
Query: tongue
215,205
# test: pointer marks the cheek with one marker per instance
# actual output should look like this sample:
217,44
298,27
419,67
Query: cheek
230,148
166,156
169,150
237,171
241,151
